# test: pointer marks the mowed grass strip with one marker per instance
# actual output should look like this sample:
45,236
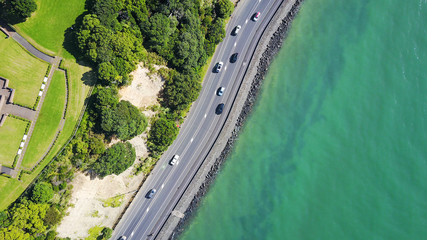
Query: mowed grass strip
11,134
46,28
48,121
10,189
24,71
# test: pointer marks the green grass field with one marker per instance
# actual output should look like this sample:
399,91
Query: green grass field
48,121
45,30
11,134
24,71
46,27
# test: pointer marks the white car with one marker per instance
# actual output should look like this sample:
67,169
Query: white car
218,67
236,29
174,160
256,16
220,91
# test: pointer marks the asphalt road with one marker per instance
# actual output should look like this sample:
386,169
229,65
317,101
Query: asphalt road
145,217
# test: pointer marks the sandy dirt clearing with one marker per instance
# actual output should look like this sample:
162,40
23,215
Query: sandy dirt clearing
87,208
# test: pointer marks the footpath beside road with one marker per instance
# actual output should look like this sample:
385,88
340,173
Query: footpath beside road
266,49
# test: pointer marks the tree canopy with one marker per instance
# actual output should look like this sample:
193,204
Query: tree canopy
16,11
115,160
42,192
162,134
124,120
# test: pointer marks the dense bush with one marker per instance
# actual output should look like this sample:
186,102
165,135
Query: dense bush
42,192
124,121
181,90
224,8
26,219
114,35
53,216
16,11
162,134
115,160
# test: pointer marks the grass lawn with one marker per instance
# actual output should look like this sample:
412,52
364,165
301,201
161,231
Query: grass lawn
46,27
10,189
45,30
48,121
11,134
25,72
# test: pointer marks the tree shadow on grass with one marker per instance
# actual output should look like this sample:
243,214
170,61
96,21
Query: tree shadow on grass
70,44
89,78
70,41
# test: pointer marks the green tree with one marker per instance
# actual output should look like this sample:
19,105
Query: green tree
224,8
106,234
125,121
162,134
108,73
115,160
13,233
181,90
160,30
28,216
96,146
51,235
42,192
15,11
4,218
53,216
106,98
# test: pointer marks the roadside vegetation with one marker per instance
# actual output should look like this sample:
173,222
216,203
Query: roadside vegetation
113,36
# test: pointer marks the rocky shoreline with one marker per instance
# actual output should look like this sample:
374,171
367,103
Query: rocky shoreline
266,58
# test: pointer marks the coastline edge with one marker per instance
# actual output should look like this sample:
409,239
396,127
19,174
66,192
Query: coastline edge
267,48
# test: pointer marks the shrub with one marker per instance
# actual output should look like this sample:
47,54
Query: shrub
42,192
115,160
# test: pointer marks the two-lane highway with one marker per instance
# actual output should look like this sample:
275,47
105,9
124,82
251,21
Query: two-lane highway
145,217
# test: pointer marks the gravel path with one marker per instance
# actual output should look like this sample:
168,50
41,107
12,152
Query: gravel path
30,48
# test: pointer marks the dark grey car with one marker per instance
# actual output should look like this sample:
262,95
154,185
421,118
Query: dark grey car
219,108
151,193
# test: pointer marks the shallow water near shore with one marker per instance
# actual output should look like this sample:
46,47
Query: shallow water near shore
336,146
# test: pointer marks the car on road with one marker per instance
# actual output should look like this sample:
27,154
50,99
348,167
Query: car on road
256,16
174,160
236,30
218,67
151,193
220,91
233,57
219,108
122,238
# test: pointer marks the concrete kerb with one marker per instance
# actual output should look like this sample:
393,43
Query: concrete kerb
230,128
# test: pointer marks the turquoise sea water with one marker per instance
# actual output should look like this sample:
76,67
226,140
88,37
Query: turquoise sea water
336,147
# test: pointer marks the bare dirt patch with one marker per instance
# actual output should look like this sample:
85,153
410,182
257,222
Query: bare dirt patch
87,200
88,194
144,89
